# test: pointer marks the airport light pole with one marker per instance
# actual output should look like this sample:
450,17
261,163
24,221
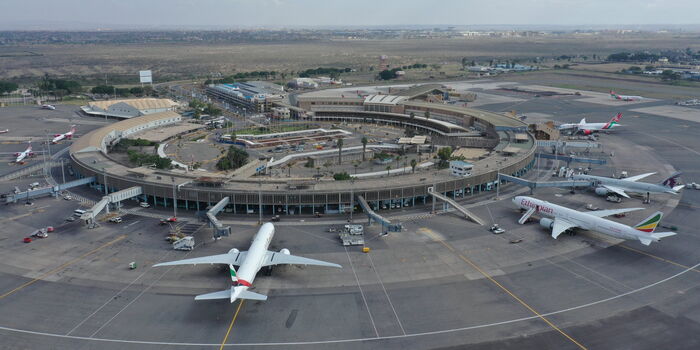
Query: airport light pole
259,201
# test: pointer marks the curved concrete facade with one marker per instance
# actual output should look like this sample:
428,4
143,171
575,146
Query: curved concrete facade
277,196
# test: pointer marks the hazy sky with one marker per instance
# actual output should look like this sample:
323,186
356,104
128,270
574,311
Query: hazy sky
76,14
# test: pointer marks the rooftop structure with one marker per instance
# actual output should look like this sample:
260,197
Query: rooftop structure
129,108
254,96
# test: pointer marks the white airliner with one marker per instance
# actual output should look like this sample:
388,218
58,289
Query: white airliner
620,187
68,135
249,263
565,219
50,107
4,131
589,128
625,97
24,154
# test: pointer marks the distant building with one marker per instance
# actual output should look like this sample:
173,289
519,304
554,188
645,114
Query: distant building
129,108
254,96
303,83
461,168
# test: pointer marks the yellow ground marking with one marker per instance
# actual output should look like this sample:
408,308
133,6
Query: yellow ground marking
657,257
63,266
230,326
507,291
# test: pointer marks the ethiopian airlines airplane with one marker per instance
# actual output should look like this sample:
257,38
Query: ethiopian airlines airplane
249,262
565,219
69,135
625,97
589,128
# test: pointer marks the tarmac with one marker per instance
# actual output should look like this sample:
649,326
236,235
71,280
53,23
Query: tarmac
441,283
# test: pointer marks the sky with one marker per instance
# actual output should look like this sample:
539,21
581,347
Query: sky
140,14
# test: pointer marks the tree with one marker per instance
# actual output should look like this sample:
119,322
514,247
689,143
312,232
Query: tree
427,114
7,86
309,163
414,163
340,151
102,89
364,147
234,159
388,167
341,176
668,74
649,68
412,115
387,74
444,155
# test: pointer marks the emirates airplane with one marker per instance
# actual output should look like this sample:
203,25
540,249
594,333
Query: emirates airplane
249,262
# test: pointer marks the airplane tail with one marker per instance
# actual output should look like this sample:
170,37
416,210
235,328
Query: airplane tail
656,236
234,278
613,95
649,224
236,292
583,121
671,181
617,118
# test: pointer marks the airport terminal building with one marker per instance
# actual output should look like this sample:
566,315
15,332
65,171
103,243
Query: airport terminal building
447,124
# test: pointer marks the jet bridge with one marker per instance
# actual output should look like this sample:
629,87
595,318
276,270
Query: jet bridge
569,159
111,198
468,214
219,229
386,223
535,184
48,191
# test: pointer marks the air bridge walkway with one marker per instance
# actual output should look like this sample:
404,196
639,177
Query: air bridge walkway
534,184
219,228
469,215
116,197
386,223
48,191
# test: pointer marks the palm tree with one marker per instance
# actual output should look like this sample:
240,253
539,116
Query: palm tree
340,151
412,116
413,165
427,114
364,147
388,167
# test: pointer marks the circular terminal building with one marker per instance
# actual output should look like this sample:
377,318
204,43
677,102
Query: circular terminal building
391,138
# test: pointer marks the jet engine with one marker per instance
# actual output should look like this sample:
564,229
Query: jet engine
234,251
601,191
587,132
546,223
284,251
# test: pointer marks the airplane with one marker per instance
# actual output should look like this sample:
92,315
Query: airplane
589,128
24,154
68,135
50,107
566,218
4,131
608,185
625,97
249,262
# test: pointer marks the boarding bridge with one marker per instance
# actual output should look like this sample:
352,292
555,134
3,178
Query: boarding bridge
570,160
219,229
28,170
535,184
469,215
386,223
112,198
47,191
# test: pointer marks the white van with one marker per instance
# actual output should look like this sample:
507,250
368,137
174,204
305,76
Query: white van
79,212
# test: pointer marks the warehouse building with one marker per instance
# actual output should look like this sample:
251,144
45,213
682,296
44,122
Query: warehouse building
254,96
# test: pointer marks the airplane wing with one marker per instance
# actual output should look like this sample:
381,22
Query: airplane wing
559,226
617,190
277,258
604,213
638,177
228,258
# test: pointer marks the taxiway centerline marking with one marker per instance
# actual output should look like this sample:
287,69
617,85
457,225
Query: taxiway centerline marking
362,293
522,302
230,326
386,294
63,266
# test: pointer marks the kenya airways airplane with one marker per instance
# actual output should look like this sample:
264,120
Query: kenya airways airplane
625,97
68,135
24,154
589,128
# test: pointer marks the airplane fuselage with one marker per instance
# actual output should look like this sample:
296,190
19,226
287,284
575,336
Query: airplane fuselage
627,186
578,218
255,256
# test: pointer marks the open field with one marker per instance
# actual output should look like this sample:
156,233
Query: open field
186,60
